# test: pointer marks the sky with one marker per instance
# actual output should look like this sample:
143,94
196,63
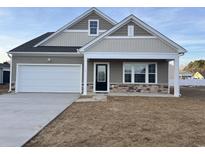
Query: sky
185,26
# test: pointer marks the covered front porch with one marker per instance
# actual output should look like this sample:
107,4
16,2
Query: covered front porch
129,74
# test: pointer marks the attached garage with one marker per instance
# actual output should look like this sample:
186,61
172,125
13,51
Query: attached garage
49,78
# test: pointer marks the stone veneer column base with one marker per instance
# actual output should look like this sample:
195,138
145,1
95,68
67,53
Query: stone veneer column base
13,86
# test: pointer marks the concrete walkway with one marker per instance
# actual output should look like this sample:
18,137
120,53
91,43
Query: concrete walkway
22,115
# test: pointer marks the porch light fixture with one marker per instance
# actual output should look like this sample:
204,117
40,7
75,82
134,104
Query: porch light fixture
49,60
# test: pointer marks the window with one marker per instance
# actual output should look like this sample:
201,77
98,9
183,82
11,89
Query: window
101,76
130,30
128,73
93,27
152,73
139,73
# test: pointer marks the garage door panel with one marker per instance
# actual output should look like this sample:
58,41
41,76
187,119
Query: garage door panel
49,78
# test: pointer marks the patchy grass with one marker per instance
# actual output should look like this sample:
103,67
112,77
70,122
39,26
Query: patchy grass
130,121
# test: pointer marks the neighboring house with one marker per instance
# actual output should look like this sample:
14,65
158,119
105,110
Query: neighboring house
185,75
198,75
93,53
4,73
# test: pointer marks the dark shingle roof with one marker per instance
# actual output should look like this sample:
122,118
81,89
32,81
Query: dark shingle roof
4,65
29,46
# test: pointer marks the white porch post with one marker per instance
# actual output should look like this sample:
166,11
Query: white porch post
168,77
85,75
10,80
176,77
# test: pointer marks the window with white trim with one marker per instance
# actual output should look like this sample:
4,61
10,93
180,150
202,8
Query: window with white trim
93,27
128,73
130,30
152,73
140,73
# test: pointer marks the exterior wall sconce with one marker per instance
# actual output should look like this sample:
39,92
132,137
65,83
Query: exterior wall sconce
49,60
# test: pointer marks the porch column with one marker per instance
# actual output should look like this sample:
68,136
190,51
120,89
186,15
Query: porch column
168,77
10,80
176,77
85,75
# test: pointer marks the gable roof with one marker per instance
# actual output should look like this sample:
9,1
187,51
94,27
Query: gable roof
140,23
98,12
29,46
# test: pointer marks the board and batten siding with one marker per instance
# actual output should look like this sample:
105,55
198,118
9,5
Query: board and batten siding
138,31
69,39
83,24
131,45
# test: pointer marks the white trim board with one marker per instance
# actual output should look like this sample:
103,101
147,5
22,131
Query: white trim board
130,37
6,69
130,55
82,30
108,76
49,53
76,20
11,67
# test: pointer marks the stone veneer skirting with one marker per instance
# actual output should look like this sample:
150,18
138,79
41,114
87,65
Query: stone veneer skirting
129,88
133,88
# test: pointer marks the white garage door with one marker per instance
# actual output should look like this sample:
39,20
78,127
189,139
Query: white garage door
48,78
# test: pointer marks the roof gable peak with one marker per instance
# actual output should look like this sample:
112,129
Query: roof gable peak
86,13
140,23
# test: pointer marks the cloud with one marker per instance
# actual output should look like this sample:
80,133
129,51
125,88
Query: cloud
3,57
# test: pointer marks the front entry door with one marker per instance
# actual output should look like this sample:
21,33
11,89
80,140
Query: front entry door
101,77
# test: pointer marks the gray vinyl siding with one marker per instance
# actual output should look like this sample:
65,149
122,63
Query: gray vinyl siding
69,39
138,31
131,45
116,70
116,66
83,24
90,71
162,68
1,76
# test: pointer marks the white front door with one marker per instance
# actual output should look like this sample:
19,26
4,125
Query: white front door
48,78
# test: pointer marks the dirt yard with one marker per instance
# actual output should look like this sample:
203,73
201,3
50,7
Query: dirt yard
130,121
4,89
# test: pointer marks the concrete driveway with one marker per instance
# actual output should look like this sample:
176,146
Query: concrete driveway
22,115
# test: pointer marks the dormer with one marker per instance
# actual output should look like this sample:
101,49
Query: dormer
94,23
